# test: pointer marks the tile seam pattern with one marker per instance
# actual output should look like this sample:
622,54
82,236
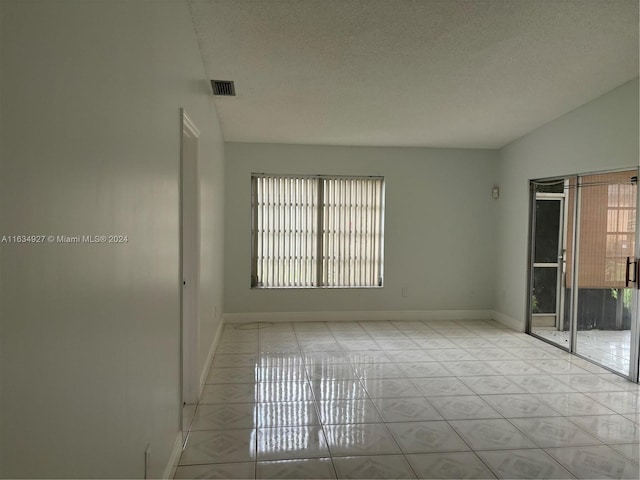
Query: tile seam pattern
457,328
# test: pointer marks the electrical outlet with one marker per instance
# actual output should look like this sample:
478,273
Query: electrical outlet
405,292
147,460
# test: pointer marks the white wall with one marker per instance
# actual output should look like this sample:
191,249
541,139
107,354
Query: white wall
600,135
439,236
91,333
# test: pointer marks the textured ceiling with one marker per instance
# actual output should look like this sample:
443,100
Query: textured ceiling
442,73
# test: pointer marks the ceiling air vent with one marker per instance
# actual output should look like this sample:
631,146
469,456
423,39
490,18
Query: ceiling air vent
223,88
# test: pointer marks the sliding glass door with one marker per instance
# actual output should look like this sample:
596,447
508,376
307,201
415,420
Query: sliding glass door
583,282
606,269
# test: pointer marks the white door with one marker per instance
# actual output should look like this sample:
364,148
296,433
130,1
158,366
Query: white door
190,253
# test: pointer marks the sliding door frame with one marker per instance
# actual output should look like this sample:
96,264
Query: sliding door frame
634,365
634,360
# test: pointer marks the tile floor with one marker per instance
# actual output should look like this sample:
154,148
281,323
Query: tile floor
611,348
455,399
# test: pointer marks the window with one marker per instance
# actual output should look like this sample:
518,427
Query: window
317,231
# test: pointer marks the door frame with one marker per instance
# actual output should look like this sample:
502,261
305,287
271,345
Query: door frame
634,370
189,258
559,264
561,269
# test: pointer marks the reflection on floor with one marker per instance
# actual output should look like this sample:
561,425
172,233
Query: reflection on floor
611,348
458,399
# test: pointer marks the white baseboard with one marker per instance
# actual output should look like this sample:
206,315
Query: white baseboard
172,465
508,321
212,351
358,316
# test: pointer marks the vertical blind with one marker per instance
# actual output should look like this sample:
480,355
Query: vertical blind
607,228
317,231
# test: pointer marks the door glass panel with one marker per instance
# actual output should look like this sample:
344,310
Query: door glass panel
545,286
548,217
606,237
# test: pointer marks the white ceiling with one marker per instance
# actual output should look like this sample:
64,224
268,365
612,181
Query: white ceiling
441,73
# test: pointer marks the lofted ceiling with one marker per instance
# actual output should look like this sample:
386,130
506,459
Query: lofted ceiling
438,73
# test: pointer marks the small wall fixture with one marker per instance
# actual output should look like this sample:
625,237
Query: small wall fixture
495,193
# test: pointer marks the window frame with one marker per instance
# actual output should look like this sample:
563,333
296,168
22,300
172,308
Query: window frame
320,233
